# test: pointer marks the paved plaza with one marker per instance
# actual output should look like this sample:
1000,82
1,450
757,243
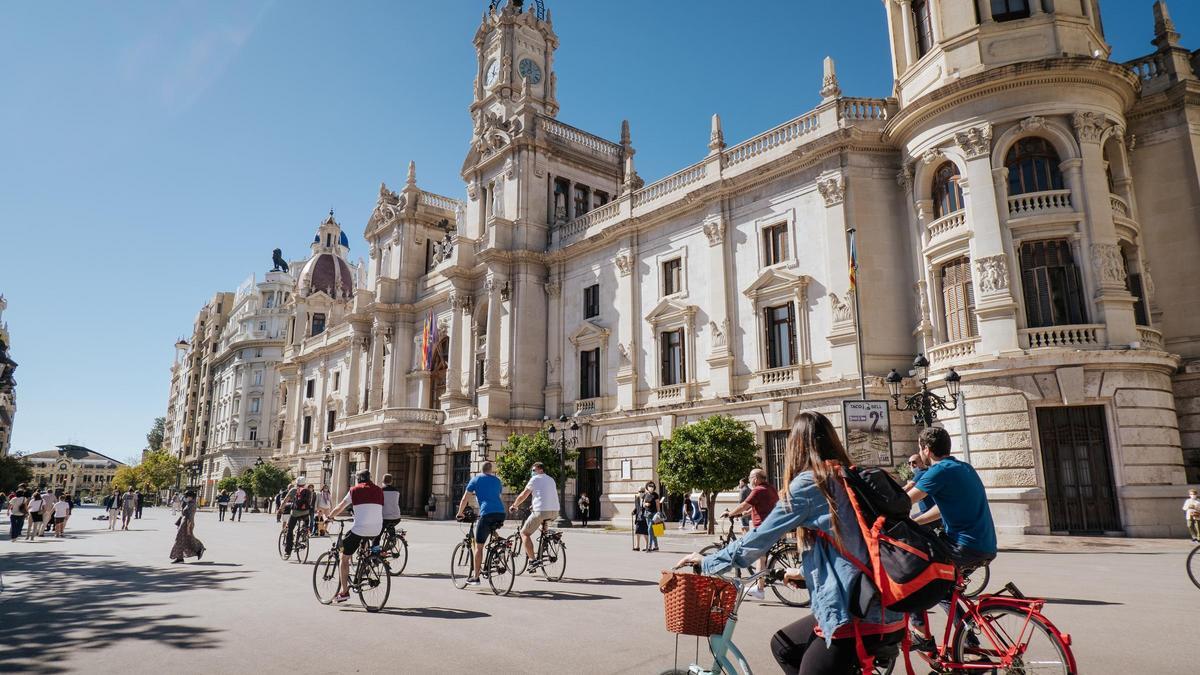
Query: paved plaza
107,602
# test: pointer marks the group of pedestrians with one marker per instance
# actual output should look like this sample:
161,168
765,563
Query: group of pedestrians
646,516
123,506
40,509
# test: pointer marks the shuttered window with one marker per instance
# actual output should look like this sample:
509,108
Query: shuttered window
775,244
1052,285
671,348
781,335
1133,284
589,373
958,299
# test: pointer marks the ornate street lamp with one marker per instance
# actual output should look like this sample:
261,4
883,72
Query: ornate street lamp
924,404
193,473
563,443
254,502
482,443
327,464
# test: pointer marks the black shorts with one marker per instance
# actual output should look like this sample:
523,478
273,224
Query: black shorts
485,525
352,541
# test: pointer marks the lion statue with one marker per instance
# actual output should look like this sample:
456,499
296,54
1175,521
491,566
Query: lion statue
280,264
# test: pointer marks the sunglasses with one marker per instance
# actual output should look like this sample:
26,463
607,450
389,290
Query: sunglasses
912,463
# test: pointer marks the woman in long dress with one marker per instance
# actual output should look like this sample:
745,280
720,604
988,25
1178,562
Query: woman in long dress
187,545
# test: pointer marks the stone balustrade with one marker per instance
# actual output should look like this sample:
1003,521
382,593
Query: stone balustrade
674,393
588,406
950,351
598,215
1082,336
783,134
424,416
948,224
579,137
672,183
863,109
1119,207
1148,67
1150,338
1039,203
437,201
773,378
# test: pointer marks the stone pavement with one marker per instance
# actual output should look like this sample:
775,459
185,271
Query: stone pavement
107,602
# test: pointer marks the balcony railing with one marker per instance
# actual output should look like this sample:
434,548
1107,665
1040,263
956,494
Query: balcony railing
1039,203
1083,336
589,406
1150,338
773,378
948,224
768,140
1119,207
950,351
674,393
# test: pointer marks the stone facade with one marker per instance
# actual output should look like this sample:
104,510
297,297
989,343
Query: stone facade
8,386
1007,201
73,469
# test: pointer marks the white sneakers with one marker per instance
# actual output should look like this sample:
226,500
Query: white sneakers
756,593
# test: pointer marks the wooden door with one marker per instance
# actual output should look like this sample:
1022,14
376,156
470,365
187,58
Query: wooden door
1081,495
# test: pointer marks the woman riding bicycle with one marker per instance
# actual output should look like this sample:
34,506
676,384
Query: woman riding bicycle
823,642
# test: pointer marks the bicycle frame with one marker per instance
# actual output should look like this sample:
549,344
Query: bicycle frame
727,658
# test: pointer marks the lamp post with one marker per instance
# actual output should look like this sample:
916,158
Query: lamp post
482,443
326,464
562,444
254,501
193,474
924,404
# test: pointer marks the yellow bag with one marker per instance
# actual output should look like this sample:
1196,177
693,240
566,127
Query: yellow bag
659,529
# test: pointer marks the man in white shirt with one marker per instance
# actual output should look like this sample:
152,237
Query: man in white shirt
367,500
239,505
545,508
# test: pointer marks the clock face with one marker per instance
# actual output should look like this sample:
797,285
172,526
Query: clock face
493,71
529,69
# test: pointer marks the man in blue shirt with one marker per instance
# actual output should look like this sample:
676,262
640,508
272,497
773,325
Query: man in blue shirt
487,488
918,467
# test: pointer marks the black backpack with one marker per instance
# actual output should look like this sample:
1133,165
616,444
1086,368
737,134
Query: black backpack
303,500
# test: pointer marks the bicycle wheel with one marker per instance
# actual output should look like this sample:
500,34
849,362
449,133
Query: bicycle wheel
300,546
788,595
325,577
498,566
1039,649
1193,566
520,561
282,545
397,556
461,562
977,580
373,583
554,560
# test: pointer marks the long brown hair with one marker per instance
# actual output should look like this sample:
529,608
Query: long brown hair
811,443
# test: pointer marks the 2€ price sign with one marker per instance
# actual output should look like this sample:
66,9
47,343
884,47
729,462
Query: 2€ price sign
867,432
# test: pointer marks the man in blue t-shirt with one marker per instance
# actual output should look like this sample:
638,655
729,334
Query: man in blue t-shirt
487,488
918,467
959,500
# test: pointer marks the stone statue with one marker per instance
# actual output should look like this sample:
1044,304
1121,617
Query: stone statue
280,264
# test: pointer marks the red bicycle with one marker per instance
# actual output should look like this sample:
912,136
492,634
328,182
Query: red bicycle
1003,632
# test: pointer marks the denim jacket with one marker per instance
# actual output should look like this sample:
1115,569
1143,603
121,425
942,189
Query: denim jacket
831,577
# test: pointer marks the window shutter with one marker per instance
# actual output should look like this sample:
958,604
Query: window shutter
972,321
769,327
682,358
664,355
791,329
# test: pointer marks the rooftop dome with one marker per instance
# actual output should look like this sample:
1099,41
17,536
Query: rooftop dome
344,240
328,273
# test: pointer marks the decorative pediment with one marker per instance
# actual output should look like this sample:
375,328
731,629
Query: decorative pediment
774,281
589,333
670,310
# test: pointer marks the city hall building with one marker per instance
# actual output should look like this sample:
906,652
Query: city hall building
1010,198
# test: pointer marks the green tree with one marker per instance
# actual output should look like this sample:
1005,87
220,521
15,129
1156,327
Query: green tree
246,482
269,479
158,470
710,455
522,450
155,437
14,471
228,484
128,477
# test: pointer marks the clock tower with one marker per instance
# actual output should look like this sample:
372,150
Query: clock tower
514,47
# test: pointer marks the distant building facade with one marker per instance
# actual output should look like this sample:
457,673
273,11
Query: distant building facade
73,469
8,385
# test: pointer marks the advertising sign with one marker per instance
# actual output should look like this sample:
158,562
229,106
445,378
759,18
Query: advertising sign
867,432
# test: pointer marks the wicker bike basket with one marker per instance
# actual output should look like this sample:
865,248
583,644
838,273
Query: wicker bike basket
696,604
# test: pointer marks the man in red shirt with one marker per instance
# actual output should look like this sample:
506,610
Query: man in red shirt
367,500
758,503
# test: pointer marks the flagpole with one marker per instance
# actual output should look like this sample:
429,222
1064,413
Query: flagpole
862,374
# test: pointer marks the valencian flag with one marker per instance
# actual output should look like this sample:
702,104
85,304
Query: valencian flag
429,338
853,262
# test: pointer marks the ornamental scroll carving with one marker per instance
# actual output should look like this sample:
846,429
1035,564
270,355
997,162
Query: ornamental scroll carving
473,190
624,263
975,142
904,178
832,189
992,272
715,231
625,352
552,288
1089,126
931,155
1108,260
1032,123
387,207
842,311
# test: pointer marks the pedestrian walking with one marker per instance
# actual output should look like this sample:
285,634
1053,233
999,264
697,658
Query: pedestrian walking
701,502
62,511
324,505
34,509
1191,510
743,493
47,511
222,505
239,504
138,505
431,507
186,543
687,515
585,508
112,506
128,506
653,516
640,526
18,508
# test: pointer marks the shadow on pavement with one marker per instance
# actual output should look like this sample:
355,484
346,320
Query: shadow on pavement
435,612
427,575
561,595
1079,601
610,581
86,601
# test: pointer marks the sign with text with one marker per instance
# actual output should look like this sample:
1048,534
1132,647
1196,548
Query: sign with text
868,433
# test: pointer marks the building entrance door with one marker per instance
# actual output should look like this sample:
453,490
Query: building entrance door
1080,492
590,479
460,475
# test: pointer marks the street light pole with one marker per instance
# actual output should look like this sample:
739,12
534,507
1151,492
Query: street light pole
563,443
924,404
254,500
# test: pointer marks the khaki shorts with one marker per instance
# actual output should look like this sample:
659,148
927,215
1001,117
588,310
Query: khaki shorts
535,520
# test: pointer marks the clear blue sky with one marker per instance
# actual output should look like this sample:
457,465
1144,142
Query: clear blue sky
155,152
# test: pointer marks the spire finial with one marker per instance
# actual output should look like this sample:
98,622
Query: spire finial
625,133
716,138
829,82
1165,34
411,180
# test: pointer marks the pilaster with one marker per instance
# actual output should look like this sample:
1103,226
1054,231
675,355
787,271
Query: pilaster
720,356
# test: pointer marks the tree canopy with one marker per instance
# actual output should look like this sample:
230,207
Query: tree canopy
267,479
154,438
710,455
14,471
522,450
159,470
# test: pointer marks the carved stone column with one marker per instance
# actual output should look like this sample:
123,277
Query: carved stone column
459,304
355,378
379,336
720,332
844,356
554,344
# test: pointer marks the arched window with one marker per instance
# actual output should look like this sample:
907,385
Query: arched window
1033,166
947,194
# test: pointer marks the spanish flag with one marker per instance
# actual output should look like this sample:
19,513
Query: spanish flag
429,338
853,262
